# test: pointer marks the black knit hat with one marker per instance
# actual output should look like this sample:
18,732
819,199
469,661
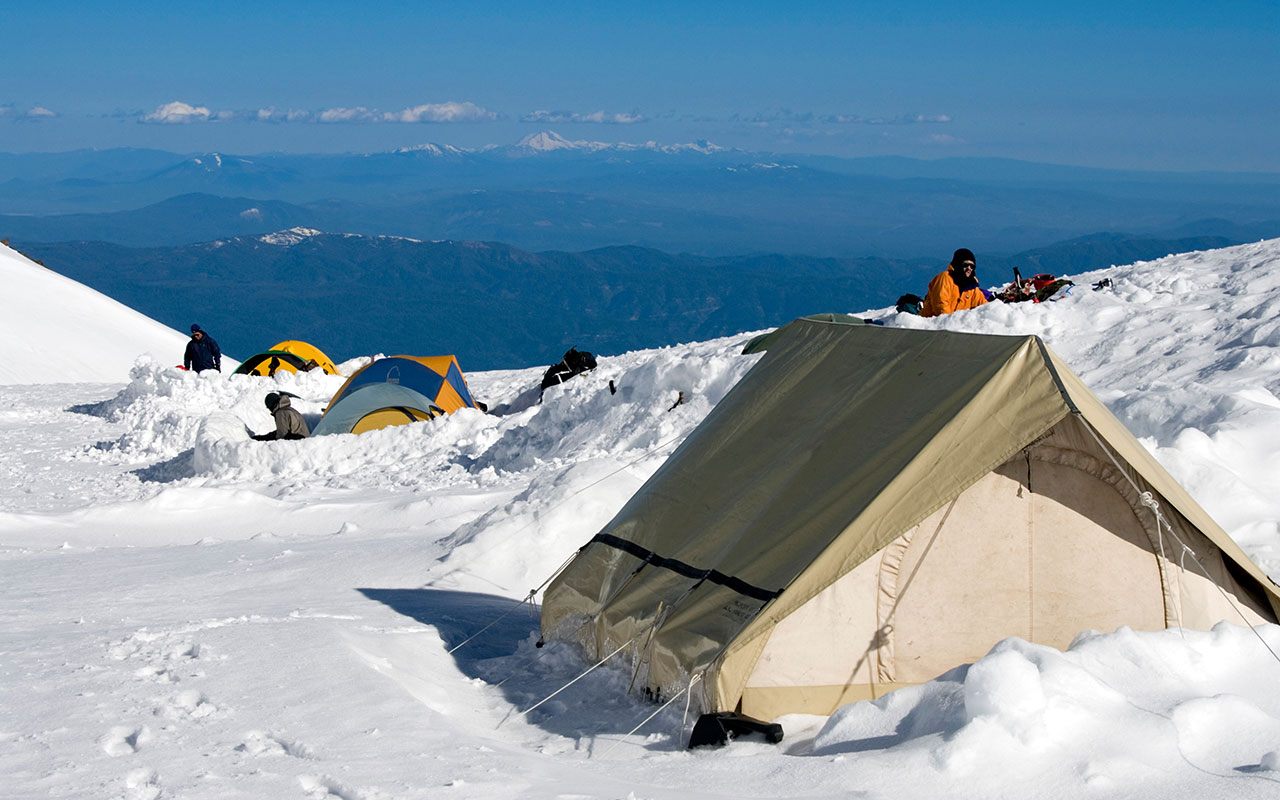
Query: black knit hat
271,400
962,255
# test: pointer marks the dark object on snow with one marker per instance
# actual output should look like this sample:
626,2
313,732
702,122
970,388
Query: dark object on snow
575,362
612,389
1105,283
910,304
721,728
679,402
1048,291
1037,288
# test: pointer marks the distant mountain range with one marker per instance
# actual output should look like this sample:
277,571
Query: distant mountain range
498,306
547,192
506,256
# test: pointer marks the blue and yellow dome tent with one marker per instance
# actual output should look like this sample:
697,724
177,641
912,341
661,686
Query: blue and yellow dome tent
396,391
289,356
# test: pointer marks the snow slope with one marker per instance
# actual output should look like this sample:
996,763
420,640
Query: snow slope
58,331
187,613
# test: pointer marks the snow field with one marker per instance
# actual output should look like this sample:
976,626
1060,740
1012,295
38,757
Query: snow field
185,612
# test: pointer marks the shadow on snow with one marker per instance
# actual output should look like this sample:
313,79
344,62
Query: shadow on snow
505,656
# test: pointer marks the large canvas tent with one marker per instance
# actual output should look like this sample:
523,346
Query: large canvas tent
870,507
396,391
287,356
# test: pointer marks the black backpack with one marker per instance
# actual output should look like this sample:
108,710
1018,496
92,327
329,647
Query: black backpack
910,304
575,362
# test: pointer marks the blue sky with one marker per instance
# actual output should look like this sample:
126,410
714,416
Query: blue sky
1171,85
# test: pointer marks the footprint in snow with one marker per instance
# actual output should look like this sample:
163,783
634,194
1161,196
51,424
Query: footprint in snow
190,704
261,743
154,646
320,787
157,674
142,784
123,740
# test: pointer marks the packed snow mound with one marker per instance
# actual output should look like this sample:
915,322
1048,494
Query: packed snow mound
563,461
55,330
1111,707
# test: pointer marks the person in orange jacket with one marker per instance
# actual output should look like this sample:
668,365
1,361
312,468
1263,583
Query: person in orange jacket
955,288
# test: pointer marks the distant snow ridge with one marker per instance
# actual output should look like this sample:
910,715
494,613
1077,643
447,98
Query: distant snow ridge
290,237
550,141
759,165
213,162
433,149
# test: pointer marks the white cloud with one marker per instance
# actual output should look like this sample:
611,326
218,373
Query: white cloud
177,113
33,114
763,119
904,119
442,112
594,117
357,114
172,113
273,114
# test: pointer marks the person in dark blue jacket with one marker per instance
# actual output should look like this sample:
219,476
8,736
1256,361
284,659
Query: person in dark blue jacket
202,351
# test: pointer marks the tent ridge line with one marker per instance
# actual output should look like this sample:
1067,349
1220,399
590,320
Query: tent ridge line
687,570
1057,379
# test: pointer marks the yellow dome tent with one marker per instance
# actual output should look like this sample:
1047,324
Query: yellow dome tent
289,356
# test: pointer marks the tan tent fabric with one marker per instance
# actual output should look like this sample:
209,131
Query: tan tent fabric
872,506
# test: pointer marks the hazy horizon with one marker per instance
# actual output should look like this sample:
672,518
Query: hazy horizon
1187,88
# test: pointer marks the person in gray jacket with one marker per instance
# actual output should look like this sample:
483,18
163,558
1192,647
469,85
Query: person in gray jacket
289,423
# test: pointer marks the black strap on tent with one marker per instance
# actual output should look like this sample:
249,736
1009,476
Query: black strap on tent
687,570
273,359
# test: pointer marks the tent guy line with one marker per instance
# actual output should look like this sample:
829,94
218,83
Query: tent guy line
1146,498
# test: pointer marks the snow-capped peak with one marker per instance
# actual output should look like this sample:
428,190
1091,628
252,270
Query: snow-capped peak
546,141
549,141
289,237
700,146
433,149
